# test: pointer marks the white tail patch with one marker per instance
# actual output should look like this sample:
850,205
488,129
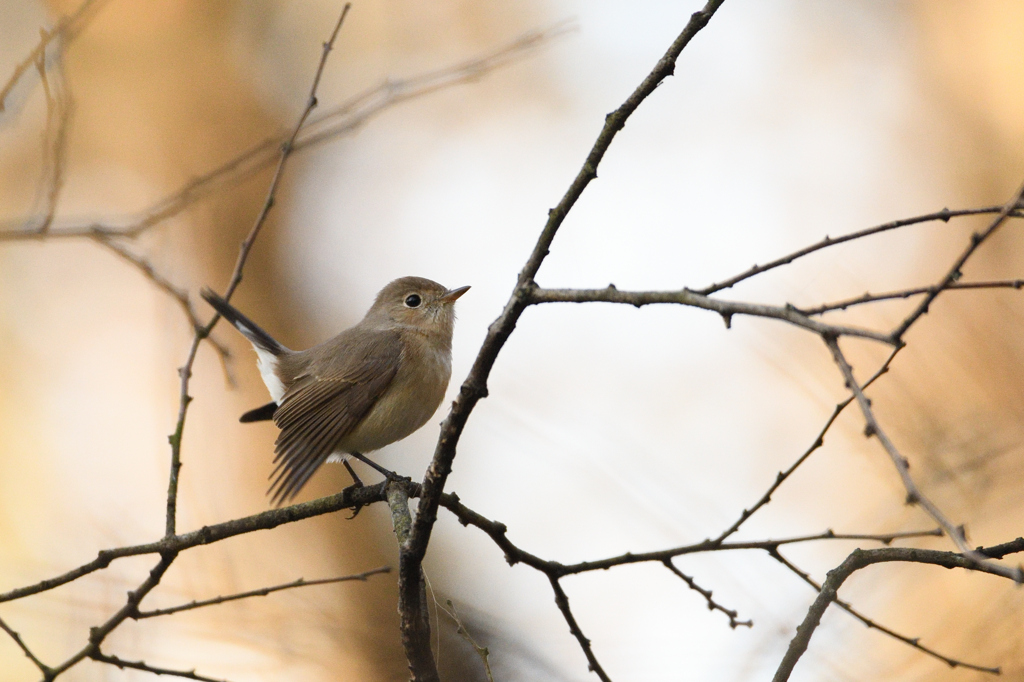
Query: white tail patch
337,458
267,363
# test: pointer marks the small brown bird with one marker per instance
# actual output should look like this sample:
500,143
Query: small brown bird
369,386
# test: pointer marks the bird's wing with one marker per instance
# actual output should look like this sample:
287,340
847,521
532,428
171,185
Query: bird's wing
348,375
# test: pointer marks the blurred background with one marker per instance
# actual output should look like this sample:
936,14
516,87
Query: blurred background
608,429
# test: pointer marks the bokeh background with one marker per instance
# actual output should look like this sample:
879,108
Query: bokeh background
607,428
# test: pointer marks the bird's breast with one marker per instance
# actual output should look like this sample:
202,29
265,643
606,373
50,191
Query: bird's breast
409,401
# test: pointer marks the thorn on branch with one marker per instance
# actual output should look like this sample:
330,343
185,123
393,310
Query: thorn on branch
727,319
869,430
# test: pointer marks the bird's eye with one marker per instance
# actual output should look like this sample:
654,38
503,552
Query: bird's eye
413,301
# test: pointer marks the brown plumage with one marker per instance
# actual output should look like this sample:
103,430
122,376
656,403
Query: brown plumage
369,386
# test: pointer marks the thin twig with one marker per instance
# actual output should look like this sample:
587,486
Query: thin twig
818,442
342,119
859,559
706,546
907,293
944,215
59,110
236,278
99,633
262,592
483,652
180,295
562,601
65,30
956,270
713,605
914,642
142,665
43,668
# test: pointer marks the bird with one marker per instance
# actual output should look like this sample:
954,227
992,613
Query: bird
371,385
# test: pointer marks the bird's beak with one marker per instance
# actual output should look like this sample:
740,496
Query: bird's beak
452,294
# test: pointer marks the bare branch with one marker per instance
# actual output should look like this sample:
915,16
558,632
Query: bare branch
236,278
99,633
859,559
59,109
818,442
415,633
726,309
340,120
712,604
563,605
481,651
914,642
907,293
914,494
956,270
262,592
178,294
142,665
705,546
272,518
944,215
43,668
65,30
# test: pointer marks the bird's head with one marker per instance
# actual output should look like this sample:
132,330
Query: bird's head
419,303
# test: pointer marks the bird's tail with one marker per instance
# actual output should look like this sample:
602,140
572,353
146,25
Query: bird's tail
249,329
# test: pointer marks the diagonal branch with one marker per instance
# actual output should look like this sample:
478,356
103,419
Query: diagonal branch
481,651
262,592
955,271
43,668
562,601
142,665
168,287
907,293
100,632
914,642
818,442
914,494
731,614
944,215
859,559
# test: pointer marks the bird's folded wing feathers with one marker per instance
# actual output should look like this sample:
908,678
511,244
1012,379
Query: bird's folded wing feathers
321,408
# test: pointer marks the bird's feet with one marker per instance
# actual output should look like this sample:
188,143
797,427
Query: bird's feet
356,484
